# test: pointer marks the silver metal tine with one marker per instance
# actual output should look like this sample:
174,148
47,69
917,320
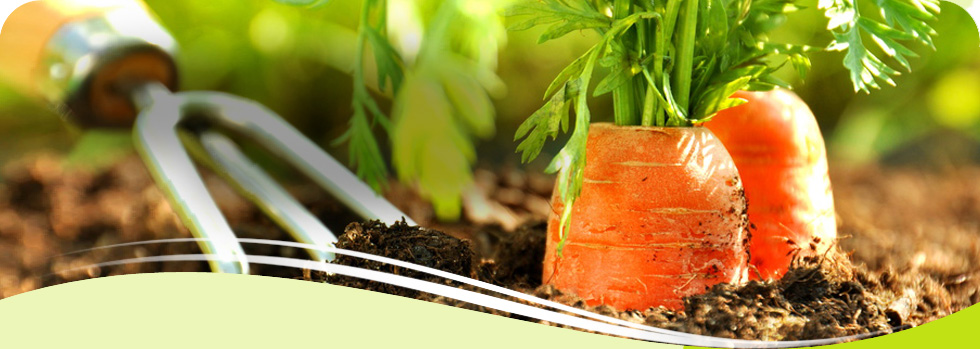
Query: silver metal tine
263,191
158,142
279,137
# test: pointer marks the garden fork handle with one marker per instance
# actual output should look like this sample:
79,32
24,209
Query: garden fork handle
86,57
110,64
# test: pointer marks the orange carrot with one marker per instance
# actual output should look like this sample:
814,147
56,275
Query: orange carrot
661,216
776,144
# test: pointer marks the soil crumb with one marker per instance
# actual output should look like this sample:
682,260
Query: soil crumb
817,298
417,245
424,247
516,257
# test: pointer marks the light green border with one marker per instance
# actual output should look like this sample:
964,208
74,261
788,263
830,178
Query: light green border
234,311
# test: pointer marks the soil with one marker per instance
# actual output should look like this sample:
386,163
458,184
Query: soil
47,211
406,243
819,297
909,251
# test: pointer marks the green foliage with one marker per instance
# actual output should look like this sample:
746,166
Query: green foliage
446,103
905,20
99,149
563,18
441,99
310,3
548,121
365,154
429,146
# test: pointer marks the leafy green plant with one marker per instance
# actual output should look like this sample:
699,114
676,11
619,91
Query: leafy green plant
677,62
441,92
905,20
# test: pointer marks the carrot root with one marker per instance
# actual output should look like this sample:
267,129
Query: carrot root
661,217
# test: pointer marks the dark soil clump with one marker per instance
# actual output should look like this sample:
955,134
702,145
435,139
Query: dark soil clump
424,247
817,298
517,256
417,245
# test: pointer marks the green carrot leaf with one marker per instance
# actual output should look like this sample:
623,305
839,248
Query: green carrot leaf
865,68
887,39
429,148
570,161
713,26
619,69
564,17
717,98
390,64
308,3
570,167
571,72
364,152
562,29
912,16
905,20
548,121
469,99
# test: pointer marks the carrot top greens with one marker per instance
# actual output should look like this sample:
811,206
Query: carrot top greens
905,20
440,84
677,62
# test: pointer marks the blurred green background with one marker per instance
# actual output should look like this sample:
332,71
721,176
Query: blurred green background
297,60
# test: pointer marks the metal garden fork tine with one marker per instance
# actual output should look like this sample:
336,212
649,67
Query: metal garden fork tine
269,196
279,137
158,142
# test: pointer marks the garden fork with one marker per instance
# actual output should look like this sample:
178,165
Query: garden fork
112,65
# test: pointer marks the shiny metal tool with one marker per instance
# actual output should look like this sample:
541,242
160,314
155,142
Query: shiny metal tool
112,65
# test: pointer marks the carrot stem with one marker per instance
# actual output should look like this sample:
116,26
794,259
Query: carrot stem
624,110
664,32
685,54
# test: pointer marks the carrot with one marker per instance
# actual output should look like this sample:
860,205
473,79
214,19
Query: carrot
777,146
661,216
640,227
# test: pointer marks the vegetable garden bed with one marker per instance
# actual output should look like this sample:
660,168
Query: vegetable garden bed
910,240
